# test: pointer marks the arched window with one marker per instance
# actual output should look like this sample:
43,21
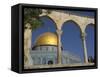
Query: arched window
50,62
44,60
47,48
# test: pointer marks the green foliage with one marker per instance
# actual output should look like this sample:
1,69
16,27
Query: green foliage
31,15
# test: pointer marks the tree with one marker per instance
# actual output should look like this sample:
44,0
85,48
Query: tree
31,16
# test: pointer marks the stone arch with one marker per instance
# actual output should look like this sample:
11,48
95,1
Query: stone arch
89,24
89,21
50,19
74,23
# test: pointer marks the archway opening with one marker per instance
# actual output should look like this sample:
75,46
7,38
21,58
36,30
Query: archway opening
50,62
47,26
71,39
90,42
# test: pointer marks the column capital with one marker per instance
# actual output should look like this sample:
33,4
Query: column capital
83,35
59,31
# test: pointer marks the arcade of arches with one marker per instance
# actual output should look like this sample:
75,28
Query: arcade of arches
60,18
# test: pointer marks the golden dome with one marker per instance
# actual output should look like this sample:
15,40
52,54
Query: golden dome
47,38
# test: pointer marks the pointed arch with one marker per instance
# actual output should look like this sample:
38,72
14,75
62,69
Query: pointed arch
89,24
71,39
50,19
90,39
74,23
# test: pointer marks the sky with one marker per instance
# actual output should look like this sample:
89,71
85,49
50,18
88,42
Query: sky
71,37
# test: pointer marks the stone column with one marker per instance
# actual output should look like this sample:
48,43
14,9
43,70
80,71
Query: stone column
59,53
83,36
27,45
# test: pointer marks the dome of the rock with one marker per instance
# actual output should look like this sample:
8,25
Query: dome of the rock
47,38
